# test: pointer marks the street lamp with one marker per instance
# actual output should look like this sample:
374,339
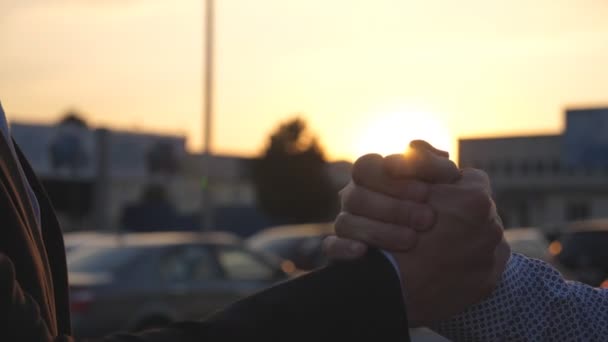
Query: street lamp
206,188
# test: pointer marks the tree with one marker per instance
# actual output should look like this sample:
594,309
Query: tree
67,148
291,180
73,117
153,212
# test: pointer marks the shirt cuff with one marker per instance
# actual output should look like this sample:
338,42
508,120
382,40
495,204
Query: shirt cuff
393,261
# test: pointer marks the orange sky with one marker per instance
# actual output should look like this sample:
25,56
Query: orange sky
477,67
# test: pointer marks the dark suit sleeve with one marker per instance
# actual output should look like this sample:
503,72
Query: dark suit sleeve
353,301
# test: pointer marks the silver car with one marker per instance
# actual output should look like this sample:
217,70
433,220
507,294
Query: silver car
142,280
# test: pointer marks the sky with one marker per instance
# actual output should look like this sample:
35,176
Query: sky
367,75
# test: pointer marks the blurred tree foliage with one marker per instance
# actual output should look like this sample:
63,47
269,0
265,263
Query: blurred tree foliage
291,179
153,212
73,117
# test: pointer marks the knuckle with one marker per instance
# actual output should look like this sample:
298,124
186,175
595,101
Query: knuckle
406,214
395,212
407,239
477,176
353,199
375,238
344,193
393,164
328,244
346,189
342,224
416,191
399,212
361,168
495,234
484,178
479,202
480,174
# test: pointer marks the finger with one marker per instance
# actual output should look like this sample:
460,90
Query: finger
360,201
423,165
374,233
369,172
337,248
475,177
421,144
469,199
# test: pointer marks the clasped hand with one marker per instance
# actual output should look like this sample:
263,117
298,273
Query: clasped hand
439,223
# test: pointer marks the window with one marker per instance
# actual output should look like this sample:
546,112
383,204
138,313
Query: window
104,258
508,168
540,167
525,167
555,166
577,211
239,264
188,263
571,171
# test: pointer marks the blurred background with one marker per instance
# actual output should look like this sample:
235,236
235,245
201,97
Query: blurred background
152,121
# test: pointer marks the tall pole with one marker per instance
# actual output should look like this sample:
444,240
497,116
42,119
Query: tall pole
207,198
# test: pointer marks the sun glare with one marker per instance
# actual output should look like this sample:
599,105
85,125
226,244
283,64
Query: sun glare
392,133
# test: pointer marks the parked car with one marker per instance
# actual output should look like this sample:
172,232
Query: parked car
141,280
582,251
300,244
529,241
74,240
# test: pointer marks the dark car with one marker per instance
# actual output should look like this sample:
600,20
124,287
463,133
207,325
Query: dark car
141,280
300,244
581,252
528,241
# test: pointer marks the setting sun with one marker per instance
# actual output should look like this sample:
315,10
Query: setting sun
391,133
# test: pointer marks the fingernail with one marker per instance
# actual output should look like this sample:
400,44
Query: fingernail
423,218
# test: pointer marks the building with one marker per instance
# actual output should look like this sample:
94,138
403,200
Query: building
546,180
98,179
92,174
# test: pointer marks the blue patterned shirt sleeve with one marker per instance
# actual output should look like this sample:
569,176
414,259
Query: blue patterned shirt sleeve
533,302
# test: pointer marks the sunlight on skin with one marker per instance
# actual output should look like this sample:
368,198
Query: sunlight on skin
391,133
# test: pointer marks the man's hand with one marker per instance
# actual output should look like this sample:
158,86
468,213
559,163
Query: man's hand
455,264
369,200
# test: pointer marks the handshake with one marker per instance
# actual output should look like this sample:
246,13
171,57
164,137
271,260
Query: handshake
438,225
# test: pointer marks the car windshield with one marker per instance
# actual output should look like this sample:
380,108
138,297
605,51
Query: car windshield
104,258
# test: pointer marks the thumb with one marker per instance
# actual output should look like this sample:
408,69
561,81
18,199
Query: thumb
337,248
422,162
424,145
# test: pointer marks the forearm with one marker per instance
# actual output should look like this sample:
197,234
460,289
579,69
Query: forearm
532,303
